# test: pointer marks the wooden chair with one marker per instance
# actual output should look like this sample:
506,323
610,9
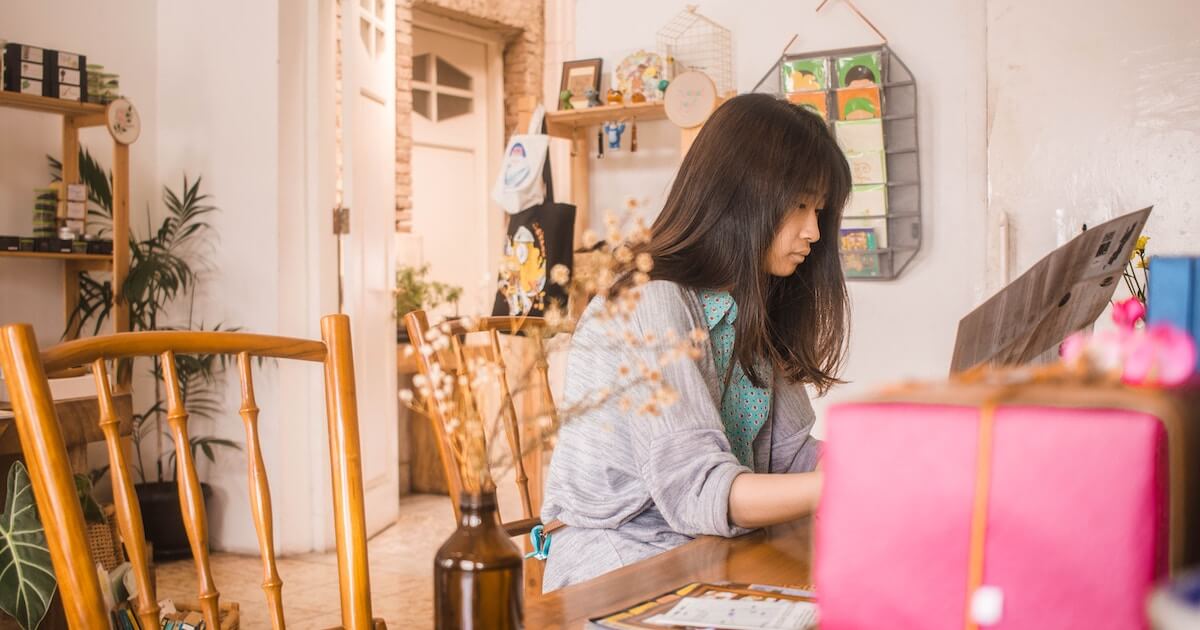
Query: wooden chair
525,460
42,444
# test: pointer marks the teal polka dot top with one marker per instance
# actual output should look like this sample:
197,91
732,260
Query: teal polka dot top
744,407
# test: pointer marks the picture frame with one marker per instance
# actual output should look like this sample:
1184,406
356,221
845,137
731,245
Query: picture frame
578,76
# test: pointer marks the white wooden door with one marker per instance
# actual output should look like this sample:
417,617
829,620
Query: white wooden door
368,190
451,107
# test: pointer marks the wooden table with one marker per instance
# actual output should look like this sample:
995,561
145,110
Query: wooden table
79,419
777,555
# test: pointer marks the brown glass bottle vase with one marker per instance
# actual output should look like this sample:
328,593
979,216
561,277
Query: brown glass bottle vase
477,580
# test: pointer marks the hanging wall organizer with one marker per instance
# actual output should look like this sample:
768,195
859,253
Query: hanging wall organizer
869,98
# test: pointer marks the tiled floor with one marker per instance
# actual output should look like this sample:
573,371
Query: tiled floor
401,575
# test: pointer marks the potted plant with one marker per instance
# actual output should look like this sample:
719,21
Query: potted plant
30,583
413,292
158,496
163,270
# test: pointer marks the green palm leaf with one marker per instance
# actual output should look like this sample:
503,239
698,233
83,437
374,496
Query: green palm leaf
27,581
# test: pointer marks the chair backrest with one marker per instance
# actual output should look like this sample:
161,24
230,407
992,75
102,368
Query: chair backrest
42,444
526,454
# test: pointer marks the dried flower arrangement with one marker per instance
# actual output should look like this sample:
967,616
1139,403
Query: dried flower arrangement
454,386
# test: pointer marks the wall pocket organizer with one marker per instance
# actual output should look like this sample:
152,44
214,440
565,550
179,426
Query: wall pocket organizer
869,98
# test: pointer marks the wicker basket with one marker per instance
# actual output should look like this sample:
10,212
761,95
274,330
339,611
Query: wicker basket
104,541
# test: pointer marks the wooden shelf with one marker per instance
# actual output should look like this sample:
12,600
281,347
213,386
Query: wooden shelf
563,123
73,117
49,105
106,259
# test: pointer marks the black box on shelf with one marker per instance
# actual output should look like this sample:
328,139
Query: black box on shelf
79,247
67,75
27,69
10,243
52,244
27,244
100,247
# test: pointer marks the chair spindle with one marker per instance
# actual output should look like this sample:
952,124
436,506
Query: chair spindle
129,513
512,428
260,494
191,498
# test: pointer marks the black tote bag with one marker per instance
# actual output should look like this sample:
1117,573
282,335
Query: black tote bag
539,239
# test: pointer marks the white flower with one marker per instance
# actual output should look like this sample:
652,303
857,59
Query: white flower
645,262
560,275
406,396
590,238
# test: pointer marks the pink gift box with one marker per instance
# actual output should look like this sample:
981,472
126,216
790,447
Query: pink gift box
1077,514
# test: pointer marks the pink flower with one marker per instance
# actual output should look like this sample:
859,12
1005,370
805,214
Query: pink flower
1164,355
1108,348
1158,356
1073,347
1127,313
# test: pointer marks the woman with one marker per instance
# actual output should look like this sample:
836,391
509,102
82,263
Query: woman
737,253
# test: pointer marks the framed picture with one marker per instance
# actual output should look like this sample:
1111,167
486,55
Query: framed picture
578,76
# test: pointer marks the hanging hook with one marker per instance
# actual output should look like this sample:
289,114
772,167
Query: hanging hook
860,15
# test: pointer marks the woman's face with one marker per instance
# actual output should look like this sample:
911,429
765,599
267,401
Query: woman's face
793,242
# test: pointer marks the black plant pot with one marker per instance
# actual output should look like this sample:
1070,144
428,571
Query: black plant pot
163,519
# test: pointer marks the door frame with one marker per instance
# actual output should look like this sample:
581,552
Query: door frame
368,262
493,43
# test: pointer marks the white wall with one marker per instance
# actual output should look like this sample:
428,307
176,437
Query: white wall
1094,111
255,116
903,328
119,35
219,102
240,94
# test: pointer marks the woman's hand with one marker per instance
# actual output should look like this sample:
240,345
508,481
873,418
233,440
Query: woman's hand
759,500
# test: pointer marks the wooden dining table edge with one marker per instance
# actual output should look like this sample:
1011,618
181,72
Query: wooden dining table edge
779,555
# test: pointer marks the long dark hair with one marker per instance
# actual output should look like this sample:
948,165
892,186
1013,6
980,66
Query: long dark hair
754,159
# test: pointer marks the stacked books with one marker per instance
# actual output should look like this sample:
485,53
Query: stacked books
103,87
183,621
124,619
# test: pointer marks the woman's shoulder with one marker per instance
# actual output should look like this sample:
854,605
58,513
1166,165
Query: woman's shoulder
665,295
657,304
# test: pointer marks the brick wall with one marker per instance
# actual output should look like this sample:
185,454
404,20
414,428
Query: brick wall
520,22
